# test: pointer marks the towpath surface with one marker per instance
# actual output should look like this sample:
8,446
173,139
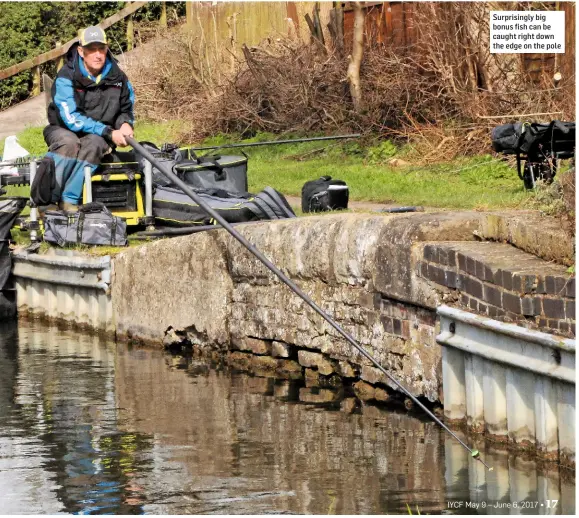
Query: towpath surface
360,206
31,112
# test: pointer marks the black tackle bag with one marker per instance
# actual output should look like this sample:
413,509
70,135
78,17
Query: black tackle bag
44,182
325,194
225,172
93,224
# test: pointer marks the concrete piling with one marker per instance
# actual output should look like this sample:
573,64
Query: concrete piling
518,384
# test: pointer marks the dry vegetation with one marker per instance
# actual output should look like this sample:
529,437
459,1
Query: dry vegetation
445,94
558,199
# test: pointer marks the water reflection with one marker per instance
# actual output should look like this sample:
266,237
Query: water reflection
243,437
60,447
89,427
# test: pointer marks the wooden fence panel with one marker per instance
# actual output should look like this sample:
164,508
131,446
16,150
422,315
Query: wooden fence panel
388,23
254,21
303,8
540,65
392,24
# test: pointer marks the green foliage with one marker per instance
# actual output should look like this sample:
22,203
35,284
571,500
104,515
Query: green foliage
31,28
22,36
381,152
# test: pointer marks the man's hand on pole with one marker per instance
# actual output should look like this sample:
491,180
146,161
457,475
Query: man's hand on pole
118,138
119,135
127,130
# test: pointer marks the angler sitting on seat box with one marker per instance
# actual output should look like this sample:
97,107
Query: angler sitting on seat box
91,112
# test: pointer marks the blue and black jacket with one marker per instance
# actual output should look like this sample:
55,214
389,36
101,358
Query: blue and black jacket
85,104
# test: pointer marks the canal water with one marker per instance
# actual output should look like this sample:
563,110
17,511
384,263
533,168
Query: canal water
91,427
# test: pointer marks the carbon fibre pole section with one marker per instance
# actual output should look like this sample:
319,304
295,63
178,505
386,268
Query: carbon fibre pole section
286,280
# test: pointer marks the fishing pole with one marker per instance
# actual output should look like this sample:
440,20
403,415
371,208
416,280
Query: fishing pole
275,142
288,282
181,231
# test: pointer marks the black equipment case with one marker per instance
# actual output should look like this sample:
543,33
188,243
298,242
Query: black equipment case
10,208
324,194
227,172
224,172
540,145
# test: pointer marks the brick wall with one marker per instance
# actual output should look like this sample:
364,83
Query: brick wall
504,283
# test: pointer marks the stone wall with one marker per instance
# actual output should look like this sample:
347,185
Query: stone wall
380,277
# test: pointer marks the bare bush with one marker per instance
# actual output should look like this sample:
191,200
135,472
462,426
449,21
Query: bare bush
284,85
444,94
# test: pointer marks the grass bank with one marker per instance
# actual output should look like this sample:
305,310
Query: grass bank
481,182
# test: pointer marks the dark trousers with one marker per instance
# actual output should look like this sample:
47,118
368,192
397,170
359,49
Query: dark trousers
71,153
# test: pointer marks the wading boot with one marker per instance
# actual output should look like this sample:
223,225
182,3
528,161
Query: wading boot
68,207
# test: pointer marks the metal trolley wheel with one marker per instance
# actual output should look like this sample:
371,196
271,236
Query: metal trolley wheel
535,171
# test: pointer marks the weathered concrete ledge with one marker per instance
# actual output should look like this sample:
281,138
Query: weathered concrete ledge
64,286
530,232
362,269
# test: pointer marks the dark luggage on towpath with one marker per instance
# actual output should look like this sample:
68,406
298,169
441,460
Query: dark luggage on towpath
540,145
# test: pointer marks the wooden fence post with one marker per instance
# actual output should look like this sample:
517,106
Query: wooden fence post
189,13
130,33
47,87
60,60
36,81
163,17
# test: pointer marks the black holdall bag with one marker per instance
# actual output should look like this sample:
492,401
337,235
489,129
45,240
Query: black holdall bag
507,138
524,137
172,207
324,194
226,173
43,183
93,224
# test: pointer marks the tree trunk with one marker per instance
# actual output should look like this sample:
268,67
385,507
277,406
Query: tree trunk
356,57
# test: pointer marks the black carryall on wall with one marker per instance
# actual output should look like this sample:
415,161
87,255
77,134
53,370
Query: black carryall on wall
324,194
